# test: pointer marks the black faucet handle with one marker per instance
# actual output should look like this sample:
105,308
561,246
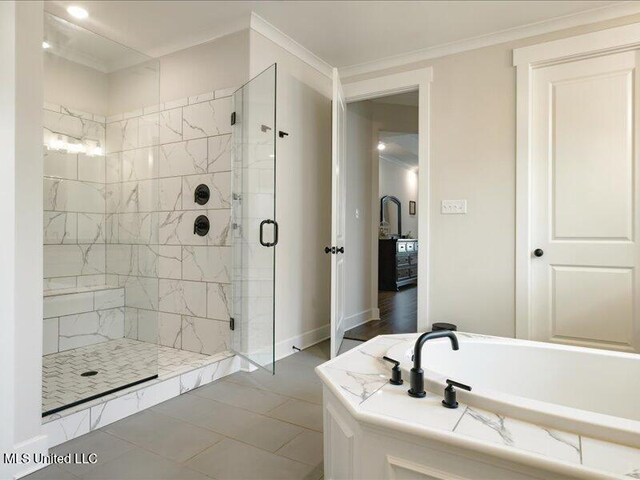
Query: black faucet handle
450,393
458,384
391,360
396,373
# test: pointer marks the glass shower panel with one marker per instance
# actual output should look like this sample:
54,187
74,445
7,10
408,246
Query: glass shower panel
100,216
255,230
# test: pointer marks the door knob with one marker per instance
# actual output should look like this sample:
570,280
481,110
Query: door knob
329,249
538,252
340,250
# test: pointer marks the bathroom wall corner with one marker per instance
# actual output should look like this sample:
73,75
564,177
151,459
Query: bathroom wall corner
21,168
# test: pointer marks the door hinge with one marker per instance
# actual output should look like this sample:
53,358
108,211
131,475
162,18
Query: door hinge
233,118
232,323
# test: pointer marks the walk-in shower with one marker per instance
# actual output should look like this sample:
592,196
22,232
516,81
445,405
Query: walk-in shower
140,266
101,198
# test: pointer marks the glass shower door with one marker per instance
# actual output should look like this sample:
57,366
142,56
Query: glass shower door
255,230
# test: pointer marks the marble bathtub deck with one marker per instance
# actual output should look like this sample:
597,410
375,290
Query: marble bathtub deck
118,362
360,379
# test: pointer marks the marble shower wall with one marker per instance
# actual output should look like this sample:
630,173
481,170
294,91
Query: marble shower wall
74,203
177,285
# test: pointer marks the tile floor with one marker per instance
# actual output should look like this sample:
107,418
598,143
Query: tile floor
246,426
118,362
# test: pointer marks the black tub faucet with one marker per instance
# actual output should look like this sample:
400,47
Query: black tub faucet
417,374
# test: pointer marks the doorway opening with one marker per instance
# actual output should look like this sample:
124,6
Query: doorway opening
382,169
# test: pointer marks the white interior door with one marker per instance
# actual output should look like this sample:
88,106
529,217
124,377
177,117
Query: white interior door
585,203
338,214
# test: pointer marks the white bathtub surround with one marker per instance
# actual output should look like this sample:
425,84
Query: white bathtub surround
178,372
541,383
363,410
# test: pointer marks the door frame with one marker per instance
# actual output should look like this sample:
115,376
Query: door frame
383,86
526,60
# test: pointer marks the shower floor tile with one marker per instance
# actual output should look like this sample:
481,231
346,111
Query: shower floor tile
118,363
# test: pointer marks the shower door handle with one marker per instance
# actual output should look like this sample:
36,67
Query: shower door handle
275,233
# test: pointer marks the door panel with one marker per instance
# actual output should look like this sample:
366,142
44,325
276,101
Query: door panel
338,214
592,157
584,208
584,296
253,202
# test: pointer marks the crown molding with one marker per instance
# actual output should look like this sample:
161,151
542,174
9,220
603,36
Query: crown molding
281,39
619,9
613,39
235,26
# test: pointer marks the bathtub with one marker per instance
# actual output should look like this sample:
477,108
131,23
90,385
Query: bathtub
590,392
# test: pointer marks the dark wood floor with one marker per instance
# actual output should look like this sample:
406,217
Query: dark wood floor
398,314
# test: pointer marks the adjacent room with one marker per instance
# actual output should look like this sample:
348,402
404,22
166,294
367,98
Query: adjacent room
264,240
382,221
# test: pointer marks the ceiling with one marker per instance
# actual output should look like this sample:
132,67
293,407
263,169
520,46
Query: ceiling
81,46
341,33
400,147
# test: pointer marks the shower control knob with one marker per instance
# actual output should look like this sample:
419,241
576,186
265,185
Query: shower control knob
202,194
538,252
201,225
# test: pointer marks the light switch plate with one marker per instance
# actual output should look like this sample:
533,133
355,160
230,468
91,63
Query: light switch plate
453,207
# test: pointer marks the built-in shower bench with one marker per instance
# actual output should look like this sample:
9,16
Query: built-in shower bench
77,317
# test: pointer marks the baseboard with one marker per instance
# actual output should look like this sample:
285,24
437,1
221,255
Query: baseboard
358,319
284,348
28,450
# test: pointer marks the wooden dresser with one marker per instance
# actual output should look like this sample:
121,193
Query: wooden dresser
397,263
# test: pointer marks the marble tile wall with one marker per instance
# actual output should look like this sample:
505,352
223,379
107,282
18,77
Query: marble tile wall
75,319
74,201
177,285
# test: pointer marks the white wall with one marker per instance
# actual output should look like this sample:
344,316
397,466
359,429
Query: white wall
73,85
21,234
473,136
402,182
395,118
361,150
303,196
221,63
389,117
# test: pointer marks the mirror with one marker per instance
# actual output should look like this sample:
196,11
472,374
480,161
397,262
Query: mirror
390,217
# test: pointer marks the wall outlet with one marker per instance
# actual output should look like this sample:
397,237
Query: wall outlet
453,207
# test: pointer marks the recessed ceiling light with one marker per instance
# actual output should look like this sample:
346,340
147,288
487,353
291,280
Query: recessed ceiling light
77,12
45,45
381,146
